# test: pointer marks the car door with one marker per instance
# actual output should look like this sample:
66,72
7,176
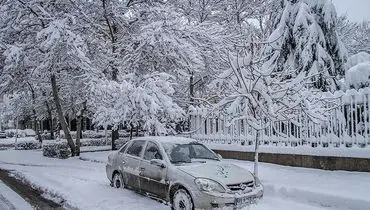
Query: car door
131,164
153,178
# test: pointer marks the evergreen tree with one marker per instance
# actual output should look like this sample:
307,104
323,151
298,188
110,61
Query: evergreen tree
305,39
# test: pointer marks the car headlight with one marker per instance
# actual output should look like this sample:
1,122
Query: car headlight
209,185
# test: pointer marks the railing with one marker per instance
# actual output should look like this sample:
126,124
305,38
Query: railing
346,124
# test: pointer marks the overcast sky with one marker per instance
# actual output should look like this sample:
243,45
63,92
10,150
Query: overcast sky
357,10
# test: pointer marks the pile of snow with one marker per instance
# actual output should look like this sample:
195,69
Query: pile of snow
358,76
356,59
357,72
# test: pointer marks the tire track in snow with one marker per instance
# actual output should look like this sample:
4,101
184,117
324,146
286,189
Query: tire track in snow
31,195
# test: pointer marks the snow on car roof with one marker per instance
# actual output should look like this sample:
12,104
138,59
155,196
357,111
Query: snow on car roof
168,139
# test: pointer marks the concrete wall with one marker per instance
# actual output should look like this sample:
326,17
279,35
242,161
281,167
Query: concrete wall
320,162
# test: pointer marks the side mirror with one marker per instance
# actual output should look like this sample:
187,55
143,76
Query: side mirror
158,162
219,156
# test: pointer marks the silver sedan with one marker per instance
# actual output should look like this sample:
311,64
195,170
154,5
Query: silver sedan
182,172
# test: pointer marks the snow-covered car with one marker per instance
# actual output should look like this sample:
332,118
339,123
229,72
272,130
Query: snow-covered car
183,172
2,135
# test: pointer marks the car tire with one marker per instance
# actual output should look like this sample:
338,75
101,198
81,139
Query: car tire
117,181
181,200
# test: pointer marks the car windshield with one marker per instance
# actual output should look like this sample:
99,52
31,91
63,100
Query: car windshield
184,153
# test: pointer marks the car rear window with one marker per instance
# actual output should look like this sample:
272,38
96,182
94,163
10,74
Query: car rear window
136,148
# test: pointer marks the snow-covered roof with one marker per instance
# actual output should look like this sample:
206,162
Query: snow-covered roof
168,139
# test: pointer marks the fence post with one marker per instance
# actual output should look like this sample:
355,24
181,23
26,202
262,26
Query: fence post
368,120
353,118
356,118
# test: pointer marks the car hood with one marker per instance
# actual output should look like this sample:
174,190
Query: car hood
224,173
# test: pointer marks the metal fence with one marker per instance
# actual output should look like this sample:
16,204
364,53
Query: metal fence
346,124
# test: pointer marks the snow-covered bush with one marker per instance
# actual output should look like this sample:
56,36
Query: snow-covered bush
56,149
27,144
358,76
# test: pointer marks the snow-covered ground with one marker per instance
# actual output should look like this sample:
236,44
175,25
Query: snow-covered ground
82,183
10,200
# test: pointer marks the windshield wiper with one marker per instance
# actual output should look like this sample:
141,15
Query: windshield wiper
180,161
208,158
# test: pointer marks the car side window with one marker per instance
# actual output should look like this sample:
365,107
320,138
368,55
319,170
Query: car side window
122,150
152,152
135,148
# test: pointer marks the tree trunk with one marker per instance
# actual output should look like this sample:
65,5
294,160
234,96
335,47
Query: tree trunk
191,94
131,130
70,122
137,129
84,120
256,150
34,113
115,136
191,89
106,134
36,127
78,130
50,116
62,119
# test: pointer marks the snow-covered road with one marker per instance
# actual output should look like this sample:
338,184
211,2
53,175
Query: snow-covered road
10,200
83,184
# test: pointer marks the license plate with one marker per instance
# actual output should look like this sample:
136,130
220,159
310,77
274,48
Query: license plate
242,200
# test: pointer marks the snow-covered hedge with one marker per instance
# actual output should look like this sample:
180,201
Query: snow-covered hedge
92,134
95,142
56,149
28,144
21,133
102,142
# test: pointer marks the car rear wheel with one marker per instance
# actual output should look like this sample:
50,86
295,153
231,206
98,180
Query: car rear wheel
182,200
118,181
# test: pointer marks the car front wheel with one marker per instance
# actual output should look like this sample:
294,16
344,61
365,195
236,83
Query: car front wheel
182,200
118,181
